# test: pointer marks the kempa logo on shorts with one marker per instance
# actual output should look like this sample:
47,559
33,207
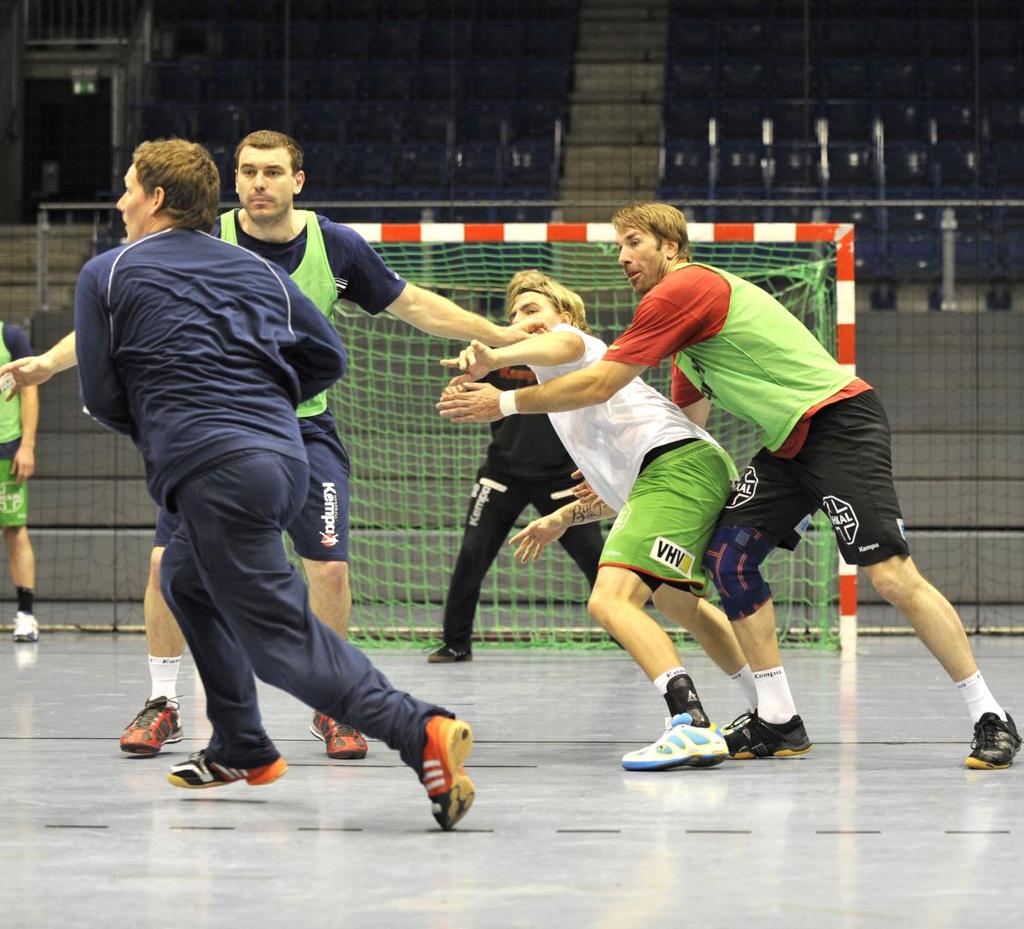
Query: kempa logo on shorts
672,555
844,519
10,503
329,534
743,488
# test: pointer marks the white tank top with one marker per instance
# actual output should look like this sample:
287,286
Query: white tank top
608,441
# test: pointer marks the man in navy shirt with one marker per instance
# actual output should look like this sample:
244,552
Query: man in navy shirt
201,352
327,260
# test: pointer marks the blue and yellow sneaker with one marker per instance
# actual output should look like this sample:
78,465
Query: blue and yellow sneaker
682,745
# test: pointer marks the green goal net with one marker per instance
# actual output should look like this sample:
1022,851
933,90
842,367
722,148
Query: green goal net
412,472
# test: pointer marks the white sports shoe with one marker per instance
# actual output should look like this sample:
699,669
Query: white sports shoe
26,629
682,745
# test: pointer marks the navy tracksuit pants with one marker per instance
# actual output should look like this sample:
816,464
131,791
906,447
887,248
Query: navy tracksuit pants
244,611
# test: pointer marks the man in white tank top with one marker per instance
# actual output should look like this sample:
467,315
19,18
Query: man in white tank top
667,480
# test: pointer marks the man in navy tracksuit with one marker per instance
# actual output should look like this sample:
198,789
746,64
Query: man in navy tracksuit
201,351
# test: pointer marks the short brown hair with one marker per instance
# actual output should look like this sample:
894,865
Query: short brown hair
269,138
565,300
188,176
662,220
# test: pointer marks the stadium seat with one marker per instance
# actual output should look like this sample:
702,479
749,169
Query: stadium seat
844,78
437,82
218,123
689,79
551,38
421,165
488,81
535,120
899,80
370,122
364,166
690,38
742,78
742,39
853,167
543,80
1000,38
1002,77
796,168
915,258
687,167
476,165
530,165
395,40
955,122
904,121
419,122
495,39
787,40
896,37
948,38
909,167
1005,120
445,38
793,122
844,38
382,81
741,167
951,79
740,120
487,122
850,122
686,119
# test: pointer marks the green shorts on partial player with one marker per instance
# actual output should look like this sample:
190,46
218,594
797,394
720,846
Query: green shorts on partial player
13,497
670,515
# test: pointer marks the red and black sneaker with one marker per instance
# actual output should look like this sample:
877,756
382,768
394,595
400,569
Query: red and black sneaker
340,741
158,724
451,792
199,773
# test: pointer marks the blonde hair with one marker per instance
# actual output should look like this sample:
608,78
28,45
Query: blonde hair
188,176
565,300
270,138
662,220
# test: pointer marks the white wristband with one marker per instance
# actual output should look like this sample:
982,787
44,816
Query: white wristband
507,403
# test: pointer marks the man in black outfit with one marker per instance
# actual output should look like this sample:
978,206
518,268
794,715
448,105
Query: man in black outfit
525,464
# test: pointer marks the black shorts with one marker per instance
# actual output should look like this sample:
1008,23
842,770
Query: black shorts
845,469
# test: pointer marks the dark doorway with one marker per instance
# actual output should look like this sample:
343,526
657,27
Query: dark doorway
67,143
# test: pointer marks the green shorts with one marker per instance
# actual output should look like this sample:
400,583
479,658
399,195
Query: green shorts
670,515
13,497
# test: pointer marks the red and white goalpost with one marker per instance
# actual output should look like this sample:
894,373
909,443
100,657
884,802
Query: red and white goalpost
839,235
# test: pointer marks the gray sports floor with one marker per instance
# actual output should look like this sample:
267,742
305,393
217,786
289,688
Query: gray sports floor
879,825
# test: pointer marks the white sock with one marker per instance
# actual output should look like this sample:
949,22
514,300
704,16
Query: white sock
978,698
745,678
661,681
163,676
774,701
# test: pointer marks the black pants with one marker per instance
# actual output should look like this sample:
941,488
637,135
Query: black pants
495,504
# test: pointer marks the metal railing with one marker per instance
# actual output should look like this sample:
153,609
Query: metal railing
72,22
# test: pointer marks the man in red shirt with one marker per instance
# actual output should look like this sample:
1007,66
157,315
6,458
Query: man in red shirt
827,446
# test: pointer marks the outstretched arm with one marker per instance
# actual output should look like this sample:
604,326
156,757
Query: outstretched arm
596,384
37,369
437,315
547,349
532,540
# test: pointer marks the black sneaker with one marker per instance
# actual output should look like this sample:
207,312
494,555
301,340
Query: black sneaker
447,654
681,697
751,737
995,742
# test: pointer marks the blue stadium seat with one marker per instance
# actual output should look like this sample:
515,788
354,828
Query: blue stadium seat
395,40
999,37
904,121
482,122
689,79
445,81
951,78
853,167
446,38
690,38
178,83
741,167
1008,161
896,37
742,78
955,122
421,165
1006,120
844,79
370,122
948,38
909,167
424,122
742,39
317,122
476,165
543,80
793,122
385,81
534,120
844,37
166,120
899,80
320,164
787,40
850,122
494,39
551,38
797,169
491,81
268,116
530,165
1002,77
364,166
786,81
740,120
218,123
686,119
915,258
346,40
687,167
325,80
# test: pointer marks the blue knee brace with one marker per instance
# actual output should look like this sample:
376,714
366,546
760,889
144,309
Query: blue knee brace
733,559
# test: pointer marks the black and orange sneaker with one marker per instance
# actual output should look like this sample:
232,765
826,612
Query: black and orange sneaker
199,772
158,724
749,736
340,741
451,792
995,743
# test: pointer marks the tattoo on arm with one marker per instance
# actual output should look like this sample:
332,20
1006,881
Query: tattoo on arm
580,513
